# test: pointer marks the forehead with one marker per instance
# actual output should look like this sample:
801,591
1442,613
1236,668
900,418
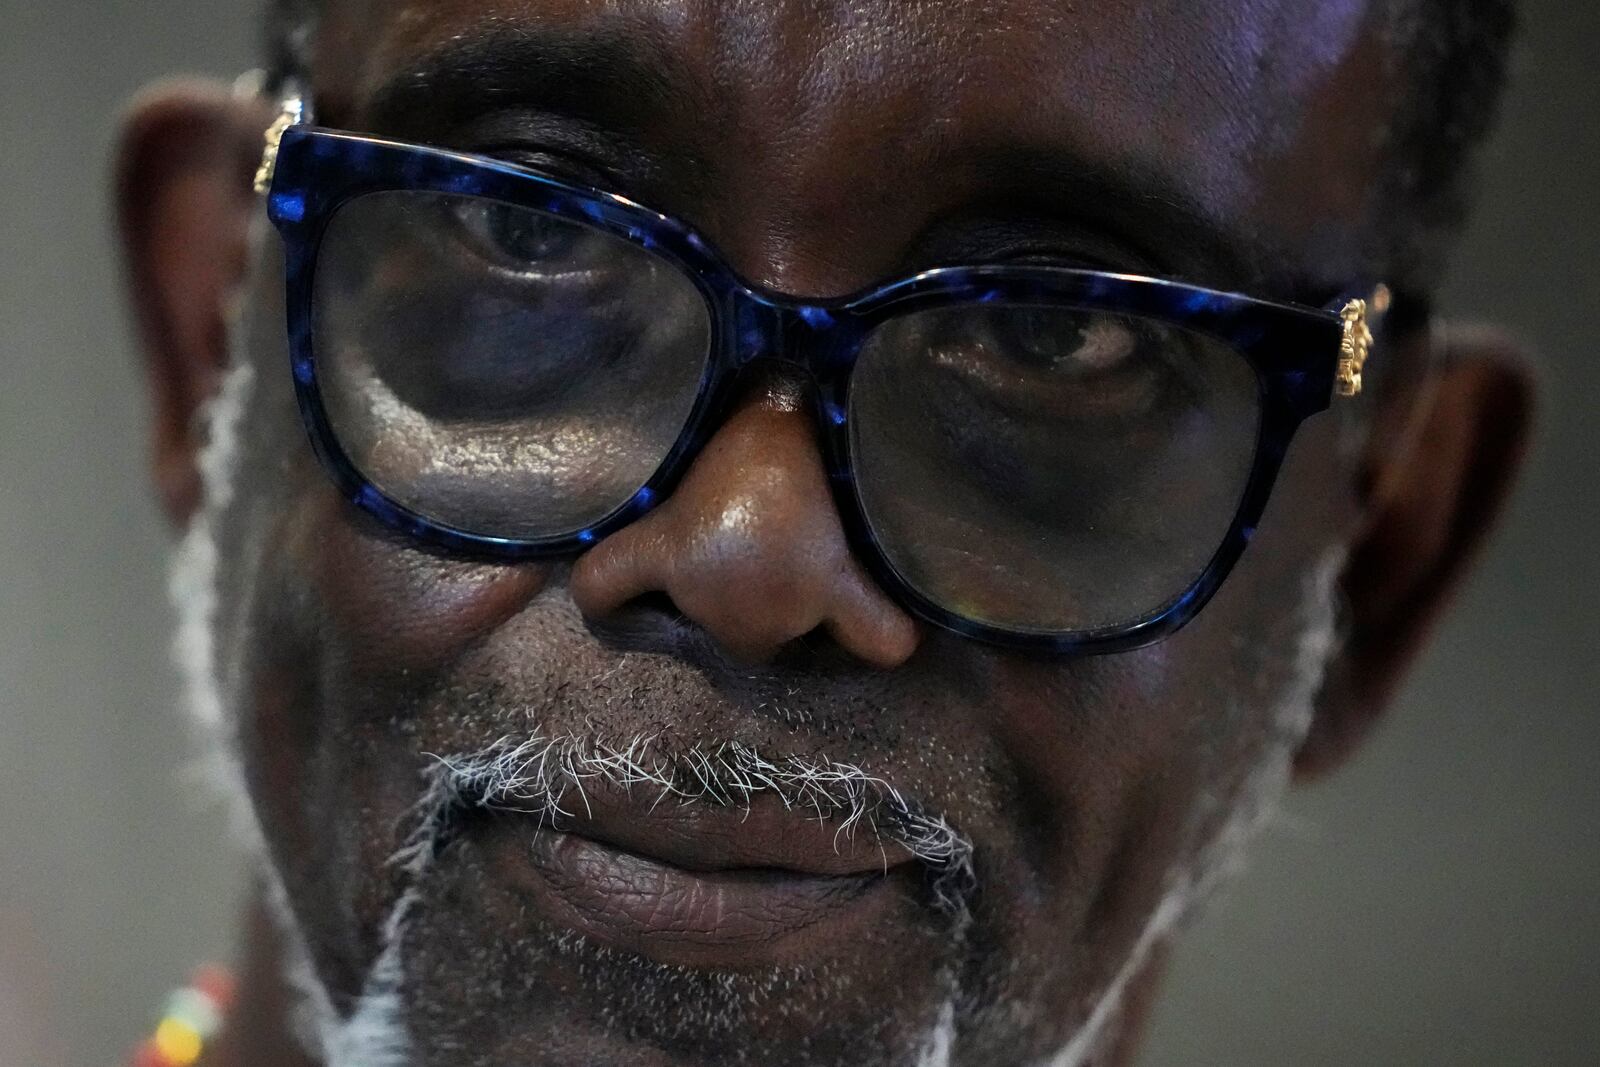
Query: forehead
1260,119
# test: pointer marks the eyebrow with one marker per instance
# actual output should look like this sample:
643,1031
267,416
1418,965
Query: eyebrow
1137,202
613,80
605,75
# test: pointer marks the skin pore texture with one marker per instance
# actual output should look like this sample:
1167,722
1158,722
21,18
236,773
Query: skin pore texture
534,814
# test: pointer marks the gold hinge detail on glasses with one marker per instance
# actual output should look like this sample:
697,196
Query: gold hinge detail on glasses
289,116
1357,343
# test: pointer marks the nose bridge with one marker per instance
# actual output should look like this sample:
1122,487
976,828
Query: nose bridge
750,547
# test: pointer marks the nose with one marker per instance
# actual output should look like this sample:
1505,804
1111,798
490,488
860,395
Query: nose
750,548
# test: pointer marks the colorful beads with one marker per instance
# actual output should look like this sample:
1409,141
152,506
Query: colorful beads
193,1016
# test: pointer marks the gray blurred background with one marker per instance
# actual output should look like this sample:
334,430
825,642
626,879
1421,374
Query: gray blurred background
1437,903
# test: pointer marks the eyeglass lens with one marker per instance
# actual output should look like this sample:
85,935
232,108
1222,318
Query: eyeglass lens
1049,469
497,369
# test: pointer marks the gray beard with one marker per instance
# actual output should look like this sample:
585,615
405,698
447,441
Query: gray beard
375,1034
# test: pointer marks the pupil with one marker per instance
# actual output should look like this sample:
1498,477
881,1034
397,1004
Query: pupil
528,237
1045,340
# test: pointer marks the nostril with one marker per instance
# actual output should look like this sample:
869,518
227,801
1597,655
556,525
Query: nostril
656,603
815,650
650,622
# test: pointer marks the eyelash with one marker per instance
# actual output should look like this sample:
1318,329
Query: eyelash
558,164
1096,249
1024,234
1058,256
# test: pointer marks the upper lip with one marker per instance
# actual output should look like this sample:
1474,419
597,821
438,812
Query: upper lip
764,833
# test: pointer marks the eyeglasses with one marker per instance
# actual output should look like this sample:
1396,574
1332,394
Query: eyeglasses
504,364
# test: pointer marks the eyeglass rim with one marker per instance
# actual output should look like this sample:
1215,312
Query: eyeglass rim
1295,351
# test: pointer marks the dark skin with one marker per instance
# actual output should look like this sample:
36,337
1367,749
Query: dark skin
1222,143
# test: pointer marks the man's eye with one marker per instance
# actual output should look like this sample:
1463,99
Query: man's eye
1062,367
520,240
1066,346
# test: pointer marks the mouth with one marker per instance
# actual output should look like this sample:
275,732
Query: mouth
697,885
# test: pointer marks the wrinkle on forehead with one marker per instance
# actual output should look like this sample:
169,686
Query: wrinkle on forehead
1142,50
1212,87
836,109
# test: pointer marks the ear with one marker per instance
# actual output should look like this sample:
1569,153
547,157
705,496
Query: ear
1435,488
184,198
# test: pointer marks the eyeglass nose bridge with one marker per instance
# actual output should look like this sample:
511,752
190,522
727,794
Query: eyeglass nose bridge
816,342
768,328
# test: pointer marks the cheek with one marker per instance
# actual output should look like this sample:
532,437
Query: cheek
1096,738
342,626
386,607
1090,741
1126,765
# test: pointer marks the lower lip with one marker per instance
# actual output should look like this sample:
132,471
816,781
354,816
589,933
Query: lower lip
731,919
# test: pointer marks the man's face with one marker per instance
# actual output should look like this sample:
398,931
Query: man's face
784,909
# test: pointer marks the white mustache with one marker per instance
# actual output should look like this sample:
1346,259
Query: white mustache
547,775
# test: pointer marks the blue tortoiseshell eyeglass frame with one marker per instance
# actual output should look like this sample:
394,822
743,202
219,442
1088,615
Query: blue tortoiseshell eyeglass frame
1299,354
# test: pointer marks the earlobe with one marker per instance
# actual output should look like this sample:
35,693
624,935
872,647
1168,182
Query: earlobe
1431,506
183,200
